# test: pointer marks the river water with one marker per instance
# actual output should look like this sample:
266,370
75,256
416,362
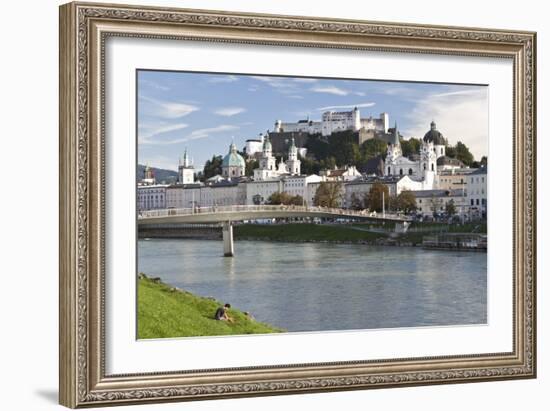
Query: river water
314,287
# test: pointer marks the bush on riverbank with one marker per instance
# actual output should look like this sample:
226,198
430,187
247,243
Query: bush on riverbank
305,233
164,311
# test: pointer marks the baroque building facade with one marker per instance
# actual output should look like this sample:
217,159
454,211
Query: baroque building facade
268,166
425,168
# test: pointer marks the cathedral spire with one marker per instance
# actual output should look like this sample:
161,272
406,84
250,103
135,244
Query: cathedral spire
395,135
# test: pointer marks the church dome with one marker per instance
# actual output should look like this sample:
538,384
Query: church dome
434,136
233,159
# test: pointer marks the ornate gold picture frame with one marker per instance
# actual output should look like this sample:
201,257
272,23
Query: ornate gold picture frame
84,30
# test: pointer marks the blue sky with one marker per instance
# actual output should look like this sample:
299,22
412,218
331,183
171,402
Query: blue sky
205,112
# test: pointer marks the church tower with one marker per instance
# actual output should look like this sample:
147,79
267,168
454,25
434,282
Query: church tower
267,161
149,177
394,147
293,163
433,147
393,152
186,171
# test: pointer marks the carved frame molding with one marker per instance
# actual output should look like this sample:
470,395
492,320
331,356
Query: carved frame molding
84,27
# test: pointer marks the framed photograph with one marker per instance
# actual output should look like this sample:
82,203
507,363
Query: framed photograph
260,204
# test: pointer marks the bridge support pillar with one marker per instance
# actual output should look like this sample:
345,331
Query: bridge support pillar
402,227
227,234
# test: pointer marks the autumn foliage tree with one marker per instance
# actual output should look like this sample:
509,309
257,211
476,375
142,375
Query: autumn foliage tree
378,194
406,201
328,194
284,198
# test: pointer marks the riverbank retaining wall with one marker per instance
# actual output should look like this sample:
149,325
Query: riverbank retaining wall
192,231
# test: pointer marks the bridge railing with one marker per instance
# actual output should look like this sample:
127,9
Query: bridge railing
259,208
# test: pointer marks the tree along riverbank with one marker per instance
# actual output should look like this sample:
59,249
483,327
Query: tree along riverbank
166,312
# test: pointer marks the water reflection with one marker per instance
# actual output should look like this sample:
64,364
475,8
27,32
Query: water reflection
310,287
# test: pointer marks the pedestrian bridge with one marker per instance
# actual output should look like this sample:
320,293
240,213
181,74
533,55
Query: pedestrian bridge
228,214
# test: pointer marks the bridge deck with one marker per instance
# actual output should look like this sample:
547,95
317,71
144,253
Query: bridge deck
241,213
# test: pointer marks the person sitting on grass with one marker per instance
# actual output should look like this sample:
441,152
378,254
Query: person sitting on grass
221,313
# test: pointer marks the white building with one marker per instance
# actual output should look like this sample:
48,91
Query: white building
258,192
432,148
151,197
477,193
429,202
301,126
254,146
302,186
223,193
334,121
183,196
454,179
186,171
380,124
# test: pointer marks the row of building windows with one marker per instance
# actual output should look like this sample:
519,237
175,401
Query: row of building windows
150,197
477,201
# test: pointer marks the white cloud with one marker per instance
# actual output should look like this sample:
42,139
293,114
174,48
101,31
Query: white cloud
168,109
330,90
305,80
460,116
360,93
229,111
283,85
360,105
456,93
296,96
147,131
197,134
230,78
154,85
266,79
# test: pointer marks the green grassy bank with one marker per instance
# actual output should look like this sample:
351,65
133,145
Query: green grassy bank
164,311
347,233
304,232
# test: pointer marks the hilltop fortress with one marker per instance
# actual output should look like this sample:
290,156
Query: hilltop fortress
334,121
331,122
